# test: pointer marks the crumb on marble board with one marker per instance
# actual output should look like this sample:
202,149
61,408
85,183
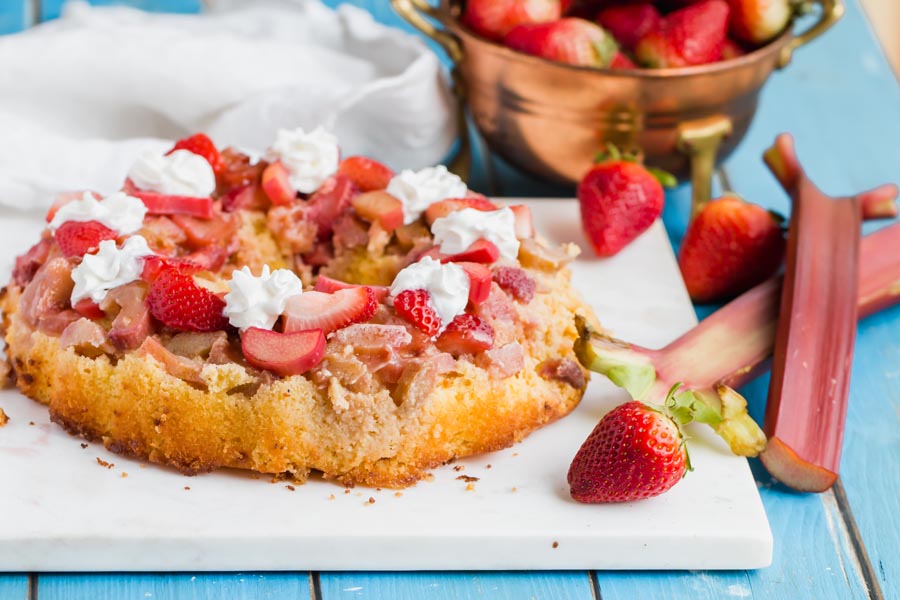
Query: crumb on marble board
331,497
458,468
124,474
291,488
470,487
467,478
187,488
84,445
3,418
103,463
371,500
398,494
555,544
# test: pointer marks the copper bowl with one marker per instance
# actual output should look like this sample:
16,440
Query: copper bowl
550,119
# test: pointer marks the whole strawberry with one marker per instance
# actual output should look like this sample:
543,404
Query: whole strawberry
628,23
758,21
495,18
636,451
571,41
693,35
619,200
728,248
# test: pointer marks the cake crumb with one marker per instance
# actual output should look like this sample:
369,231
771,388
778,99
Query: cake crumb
143,466
187,487
515,453
346,491
515,489
331,497
488,466
103,463
429,477
31,423
291,488
458,468
371,500
467,478
3,418
470,487
124,474
555,544
83,446
398,494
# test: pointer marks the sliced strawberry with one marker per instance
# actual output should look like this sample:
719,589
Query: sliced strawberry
89,309
276,182
524,221
201,145
379,207
175,300
466,334
328,285
415,307
481,251
76,238
445,207
515,282
155,265
66,197
248,197
479,281
164,204
283,353
329,312
328,202
368,175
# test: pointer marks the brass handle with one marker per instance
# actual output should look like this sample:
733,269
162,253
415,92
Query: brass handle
415,12
700,140
832,11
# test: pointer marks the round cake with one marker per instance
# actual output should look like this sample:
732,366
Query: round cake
292,314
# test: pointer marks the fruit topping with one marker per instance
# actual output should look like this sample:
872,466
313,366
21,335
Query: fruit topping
523,220
164,204
368,174
276,183
415,306
329,285
283,353
729,247
515,282
379,207
89,309
176,301
479,281
482,251
445,207
329,311
75,239
201,145
328,202
466,334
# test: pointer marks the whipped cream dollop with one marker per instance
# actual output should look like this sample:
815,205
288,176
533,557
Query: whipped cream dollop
109,268
259,301
417,190
310,158
120,212
181,173
462,228
446,284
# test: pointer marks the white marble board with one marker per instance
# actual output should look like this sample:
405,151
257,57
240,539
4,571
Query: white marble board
60,510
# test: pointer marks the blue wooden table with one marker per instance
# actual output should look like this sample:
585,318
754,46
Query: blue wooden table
842,103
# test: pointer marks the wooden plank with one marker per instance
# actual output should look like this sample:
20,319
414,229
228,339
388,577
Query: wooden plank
14,587
566,585
15,15
842,103
50,9
182,586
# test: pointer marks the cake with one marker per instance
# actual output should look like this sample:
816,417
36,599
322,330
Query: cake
295,314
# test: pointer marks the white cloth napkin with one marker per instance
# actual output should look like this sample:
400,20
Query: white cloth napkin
82,96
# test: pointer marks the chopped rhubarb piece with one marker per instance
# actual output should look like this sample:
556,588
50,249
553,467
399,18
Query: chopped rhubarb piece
466,334
368,175
329,285
379,207
276,182
28,264
248,197
132,324
221,229
329,312
445,207
329,201
285,354
89,309
524,221
164,204
482,251
516,282
479,281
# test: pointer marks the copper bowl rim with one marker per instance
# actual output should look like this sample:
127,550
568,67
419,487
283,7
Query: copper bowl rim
758,55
